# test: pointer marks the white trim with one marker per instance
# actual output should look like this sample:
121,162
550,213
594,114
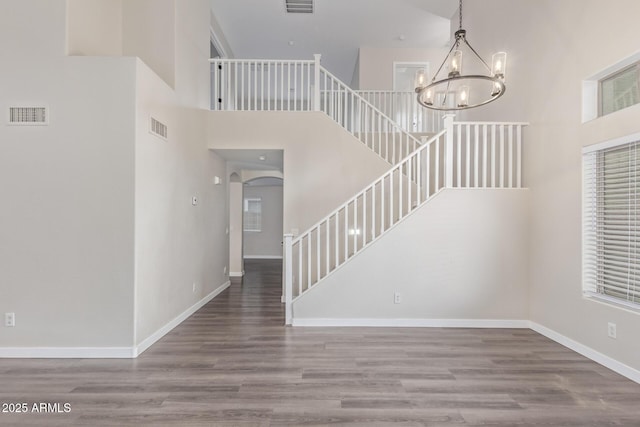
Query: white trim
213,38
590,86
67,352
236,273
596,356
153,338
262,257
627,139
107,352
412,323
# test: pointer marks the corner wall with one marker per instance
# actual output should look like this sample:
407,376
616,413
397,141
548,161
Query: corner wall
324,165
552,47
66,225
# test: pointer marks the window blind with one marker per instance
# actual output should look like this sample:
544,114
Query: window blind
611,220
620,91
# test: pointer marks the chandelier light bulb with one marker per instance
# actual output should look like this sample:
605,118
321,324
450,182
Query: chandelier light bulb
463,96
455,66
499,63
427,97
420,79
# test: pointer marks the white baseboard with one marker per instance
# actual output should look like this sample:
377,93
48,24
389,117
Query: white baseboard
588,352
149,341
262,257
67,352
236,274
105,352
414,323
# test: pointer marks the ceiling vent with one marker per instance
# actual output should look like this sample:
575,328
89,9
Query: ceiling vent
299,6
28,116
158,128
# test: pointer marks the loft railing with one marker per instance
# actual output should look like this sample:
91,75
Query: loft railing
403,108
268,85
463,155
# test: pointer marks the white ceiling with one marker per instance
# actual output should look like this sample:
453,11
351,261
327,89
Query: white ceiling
261,29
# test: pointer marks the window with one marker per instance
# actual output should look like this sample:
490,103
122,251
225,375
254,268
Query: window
611,221
252,214
620,90
614,88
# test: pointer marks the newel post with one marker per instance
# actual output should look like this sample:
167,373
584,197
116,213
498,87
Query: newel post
448,159
316,82
288,277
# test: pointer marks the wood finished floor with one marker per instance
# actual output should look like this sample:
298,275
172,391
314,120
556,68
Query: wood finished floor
234,364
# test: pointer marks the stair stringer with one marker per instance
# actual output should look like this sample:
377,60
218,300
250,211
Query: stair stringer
460,256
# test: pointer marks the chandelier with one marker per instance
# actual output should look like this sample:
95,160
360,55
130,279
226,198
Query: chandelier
455,90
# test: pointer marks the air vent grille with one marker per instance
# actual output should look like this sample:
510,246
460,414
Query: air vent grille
299,6
158,128
28,116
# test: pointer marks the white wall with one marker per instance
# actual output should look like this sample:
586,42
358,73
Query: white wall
376,64
149,32
101,245
267,242
177,244
461,256
66,225
236,261
552,47
323,164
94,27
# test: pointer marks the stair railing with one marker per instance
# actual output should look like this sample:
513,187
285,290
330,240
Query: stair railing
275,85
402,108
363,219
463,155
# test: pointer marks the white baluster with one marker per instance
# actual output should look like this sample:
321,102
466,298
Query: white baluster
288,278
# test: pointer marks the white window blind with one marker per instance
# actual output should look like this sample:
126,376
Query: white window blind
252,214
611,221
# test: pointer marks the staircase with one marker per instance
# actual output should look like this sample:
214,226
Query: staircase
459,155
268,85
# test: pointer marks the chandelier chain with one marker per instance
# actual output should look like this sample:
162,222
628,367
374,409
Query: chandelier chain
460,15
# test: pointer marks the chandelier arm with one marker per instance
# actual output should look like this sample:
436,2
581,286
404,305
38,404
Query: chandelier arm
455,44
446,93
478,56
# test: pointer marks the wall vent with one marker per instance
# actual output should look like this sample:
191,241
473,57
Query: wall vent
158,128
299,6
28,116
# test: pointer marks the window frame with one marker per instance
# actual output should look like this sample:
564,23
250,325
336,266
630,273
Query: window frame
245,211
620,71
586,285
591,87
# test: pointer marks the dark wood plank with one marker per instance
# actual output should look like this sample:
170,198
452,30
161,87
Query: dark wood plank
234,364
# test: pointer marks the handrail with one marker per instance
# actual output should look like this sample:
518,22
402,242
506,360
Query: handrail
402,107
301,85
377,127
463,155
364,218
375,182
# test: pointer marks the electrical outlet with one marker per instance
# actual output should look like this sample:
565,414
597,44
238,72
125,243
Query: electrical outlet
611,330
397,298
194,287
224,270
10,320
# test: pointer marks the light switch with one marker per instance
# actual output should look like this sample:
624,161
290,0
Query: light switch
194,201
